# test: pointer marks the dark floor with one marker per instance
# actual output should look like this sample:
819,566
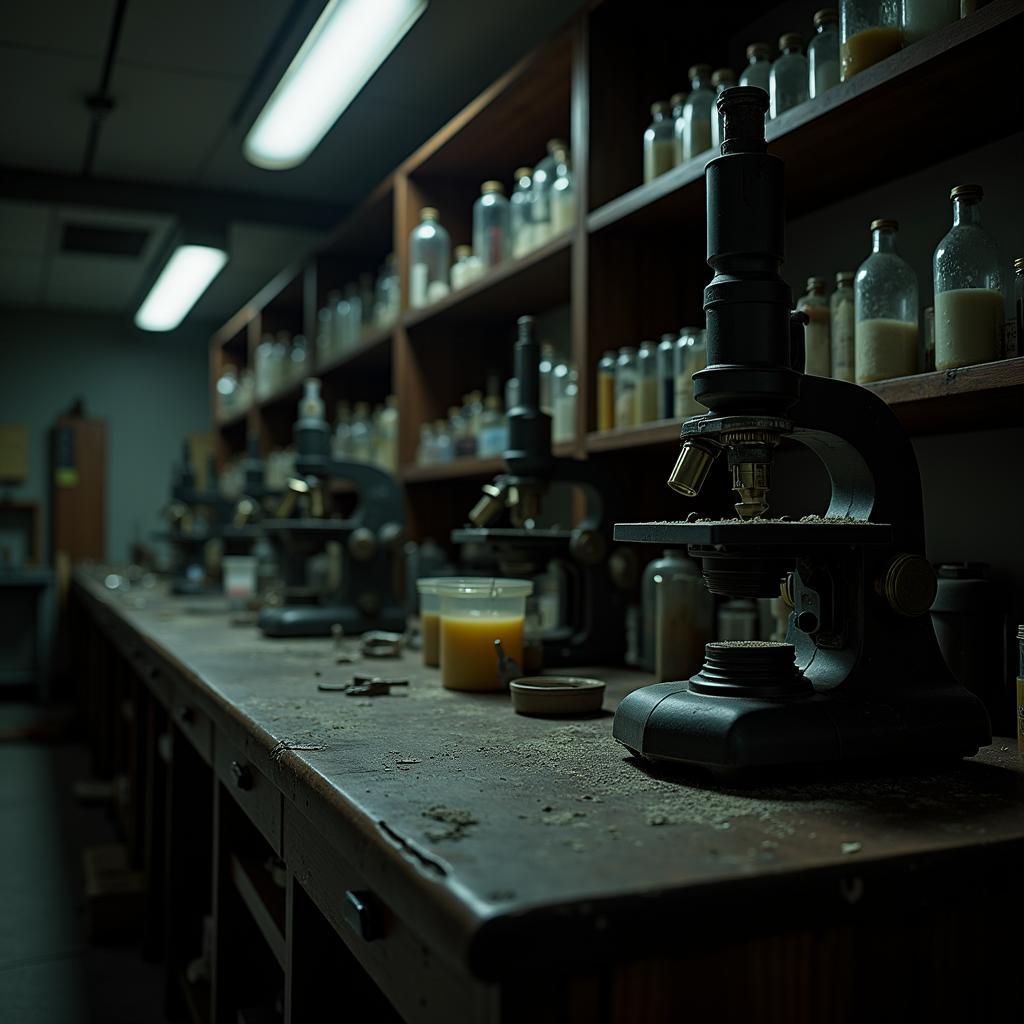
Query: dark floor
49,972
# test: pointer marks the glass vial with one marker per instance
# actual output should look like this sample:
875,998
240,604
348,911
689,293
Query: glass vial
678,102
869,31
788,83
969,305
722,79
521,212
885,308
667,377
691,356
626,382
429,259
919,18
817,331
647,383
1018,300
823,53
563,194
759,67
670,559
842,317
683,615
697,111
543,180
606,391
659,142
491,244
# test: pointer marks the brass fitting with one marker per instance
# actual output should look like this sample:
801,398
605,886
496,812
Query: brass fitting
692,468
489,506
909,585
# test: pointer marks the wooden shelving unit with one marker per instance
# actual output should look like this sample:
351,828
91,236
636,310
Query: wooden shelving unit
633,267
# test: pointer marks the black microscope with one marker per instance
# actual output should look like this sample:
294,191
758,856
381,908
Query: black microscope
243,530
367,592
860,675
591,626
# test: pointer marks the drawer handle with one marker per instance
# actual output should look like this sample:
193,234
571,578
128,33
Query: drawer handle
360,914
242,775
186,715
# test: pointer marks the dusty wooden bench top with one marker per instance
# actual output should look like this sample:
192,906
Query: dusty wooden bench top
501,832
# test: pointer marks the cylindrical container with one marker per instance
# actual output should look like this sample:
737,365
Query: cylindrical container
563,194
1018,300
788,82
647,389
626,384
1020,689
920,18
817,340
722,79
659,142
697,113
969,306
869,31
738,620
677,101
475,613
841,310
429,260
606,391
759,66
239,578
885,304
683,614
429,589
521,212
667,377
691,356
823,54
970,617
491,232
670,561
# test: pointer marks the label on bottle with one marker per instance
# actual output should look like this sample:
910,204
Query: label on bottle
418,274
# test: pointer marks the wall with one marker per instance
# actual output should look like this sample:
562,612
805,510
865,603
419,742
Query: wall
152,389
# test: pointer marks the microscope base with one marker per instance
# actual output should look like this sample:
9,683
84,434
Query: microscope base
668,723
317,620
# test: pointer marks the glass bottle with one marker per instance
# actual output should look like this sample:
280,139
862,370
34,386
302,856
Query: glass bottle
491,243
429,259
823,53
606,391
298,358
659,142
788,84
361,444
311,406
493,437
885,307
227,391
472,411
387,435
339,322
426,453
919,18
246,389
563,429
842,322
677,101
869,31
691,356
461,272
279,358
547,369
626,382
366,298
817,341
647,383
670,559
759,66
666,377
341,442
521,212
697,111
563,194
324,349
969,304
722,79
1018,301
543,180
329,325
386,302
354,318
458,431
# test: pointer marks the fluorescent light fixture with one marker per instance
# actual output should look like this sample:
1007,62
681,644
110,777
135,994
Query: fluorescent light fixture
349,41
186,275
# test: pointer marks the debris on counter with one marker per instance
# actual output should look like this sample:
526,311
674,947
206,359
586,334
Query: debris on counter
454,821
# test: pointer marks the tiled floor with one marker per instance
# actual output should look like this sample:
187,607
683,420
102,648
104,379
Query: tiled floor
49,973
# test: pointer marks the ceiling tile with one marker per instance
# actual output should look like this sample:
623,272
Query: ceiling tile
108,283
24,227
21,279
82,28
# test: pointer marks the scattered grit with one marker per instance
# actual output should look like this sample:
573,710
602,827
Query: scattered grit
454,823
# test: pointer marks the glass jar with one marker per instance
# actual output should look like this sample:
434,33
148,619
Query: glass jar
666,377
885,307
246,389
426,452
493,437
491,241
606,391
969,304
626,383
429,259
869,31
659,142
298,358
387,435
386,302
722,79
227,391
823,54
361,444
788,84
353,328
759,67
521,213
647,383
543,180
842,322
563,194
697,112
341,442
817,343
670,559
466,269
691,356
324,346
279,359
563,427
1018,301
919,18
684,615
366,299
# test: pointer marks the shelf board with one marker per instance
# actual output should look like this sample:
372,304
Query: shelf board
264,901
467,468
233,422
850,139
530,284
285,395
372,353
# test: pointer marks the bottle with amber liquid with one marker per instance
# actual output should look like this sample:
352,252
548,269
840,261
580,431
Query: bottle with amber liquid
869,31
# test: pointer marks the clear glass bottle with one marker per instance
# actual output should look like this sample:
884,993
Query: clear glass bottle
919,18
823,53
493,437
387,302
563,427
563,194
387,435
669,559
329,325
472,411
697,112
429,260
367,295
606,391
311,405
547,370
817,331
759,67
341,441
788,84
869,31
339,322
353,329
458,430
491,241
362,434
426,451
521,212
722,79
842,321
677,101
1018,301
659,142
298,358
543,180
885,307
324,341
691,356
969,303
464,267
279,359
626,382
246,389
667,377
227,391
647,383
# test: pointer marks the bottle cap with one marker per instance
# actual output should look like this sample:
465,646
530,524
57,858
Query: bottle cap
492,402
428,213
647,346
885,224
491,186
627,350
661,107
791,41
845,276
677,99
825,17
723,76
668,337
554,144
523,172
966,192
817,284
759,50
463,251
699,71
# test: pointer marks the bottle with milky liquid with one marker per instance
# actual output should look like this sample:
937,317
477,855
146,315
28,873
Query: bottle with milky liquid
759,66
869,31
969,305
626,384
823,53
920,18
659,142
647,383
817,331
788,82
678,102
885,310
697,112
842,316
722,79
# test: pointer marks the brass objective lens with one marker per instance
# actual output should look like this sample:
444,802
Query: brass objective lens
691,469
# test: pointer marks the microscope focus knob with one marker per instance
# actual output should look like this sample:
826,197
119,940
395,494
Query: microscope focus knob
909,585
362,544
588,547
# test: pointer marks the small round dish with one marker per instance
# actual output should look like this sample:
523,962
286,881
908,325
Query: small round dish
556,695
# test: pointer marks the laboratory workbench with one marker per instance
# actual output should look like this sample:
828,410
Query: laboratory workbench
455,861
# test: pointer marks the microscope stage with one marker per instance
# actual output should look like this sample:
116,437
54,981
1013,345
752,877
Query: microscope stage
486,535
328,529
760,532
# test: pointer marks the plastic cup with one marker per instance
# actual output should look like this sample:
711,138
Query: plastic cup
475,613
430,615
239,578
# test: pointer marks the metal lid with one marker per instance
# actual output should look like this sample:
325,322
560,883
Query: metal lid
523,172
671,338
699,71
463,250
554,144
826,16
966,192
759,50
429,213
816,284
627,350
721,75
677,99
885,224
845,276
661,107
491,186
791,40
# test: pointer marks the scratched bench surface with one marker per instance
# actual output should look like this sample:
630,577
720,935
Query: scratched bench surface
511,823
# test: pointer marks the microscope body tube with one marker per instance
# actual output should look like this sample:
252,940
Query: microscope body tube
529,429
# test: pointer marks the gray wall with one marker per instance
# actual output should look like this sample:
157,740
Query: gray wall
151,389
